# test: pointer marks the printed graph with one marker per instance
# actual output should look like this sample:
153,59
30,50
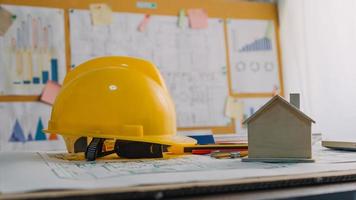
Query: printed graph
35,58
32,50
262,44
18,134
22,125
253,56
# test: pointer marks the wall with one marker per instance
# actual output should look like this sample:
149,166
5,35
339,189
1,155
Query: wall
318,40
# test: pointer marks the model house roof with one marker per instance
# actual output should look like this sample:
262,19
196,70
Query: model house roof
281,100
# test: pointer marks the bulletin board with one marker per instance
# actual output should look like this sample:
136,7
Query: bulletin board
224,13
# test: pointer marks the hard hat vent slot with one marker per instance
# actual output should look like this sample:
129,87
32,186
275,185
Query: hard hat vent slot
113,87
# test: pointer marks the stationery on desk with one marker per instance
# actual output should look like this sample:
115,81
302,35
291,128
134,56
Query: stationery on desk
339,145
215,147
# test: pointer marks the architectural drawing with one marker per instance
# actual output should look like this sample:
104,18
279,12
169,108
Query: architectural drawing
116,168
192,62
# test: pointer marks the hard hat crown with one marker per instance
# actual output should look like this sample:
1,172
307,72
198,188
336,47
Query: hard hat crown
118,98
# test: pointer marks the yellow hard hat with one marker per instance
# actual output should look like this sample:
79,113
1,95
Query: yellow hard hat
116,98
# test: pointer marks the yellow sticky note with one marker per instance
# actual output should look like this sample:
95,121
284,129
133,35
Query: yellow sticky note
234,108
6,19
181,18
101,14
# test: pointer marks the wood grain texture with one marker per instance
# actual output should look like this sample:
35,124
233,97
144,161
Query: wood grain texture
19,98
279,133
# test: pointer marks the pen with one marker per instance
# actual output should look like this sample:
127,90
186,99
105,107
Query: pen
208,151
182,149
235,154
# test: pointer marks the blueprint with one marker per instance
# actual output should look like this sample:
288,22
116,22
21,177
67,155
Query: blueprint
83,170
57,170
191,61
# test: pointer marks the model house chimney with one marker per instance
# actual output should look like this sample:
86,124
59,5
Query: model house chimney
294,99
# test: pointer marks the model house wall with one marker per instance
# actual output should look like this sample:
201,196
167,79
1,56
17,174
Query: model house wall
279,132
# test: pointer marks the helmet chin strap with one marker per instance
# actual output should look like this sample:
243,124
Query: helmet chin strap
95,149
125,149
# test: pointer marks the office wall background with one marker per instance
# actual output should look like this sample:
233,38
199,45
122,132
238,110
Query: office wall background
318,40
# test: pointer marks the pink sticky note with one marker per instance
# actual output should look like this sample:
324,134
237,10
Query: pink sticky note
144,23
50,92
198,19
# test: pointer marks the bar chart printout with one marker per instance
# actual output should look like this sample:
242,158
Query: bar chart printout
31,50
253,56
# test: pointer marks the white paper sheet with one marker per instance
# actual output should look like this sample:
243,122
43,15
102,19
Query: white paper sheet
32,50
250,106
43,171
253,56
192,62
21,128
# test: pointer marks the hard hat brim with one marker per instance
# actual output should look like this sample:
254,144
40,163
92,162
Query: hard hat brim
159,139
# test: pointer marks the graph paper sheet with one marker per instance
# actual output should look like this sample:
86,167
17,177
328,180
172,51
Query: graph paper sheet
192,61
32,50
253,56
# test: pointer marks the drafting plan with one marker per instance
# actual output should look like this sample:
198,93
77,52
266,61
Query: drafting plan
32,51
21,128
253,56
49,171
192,61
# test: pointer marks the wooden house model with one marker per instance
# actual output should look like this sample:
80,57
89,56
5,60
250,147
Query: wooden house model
279,132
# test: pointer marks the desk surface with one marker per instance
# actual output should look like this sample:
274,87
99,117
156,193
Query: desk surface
21,171
252,188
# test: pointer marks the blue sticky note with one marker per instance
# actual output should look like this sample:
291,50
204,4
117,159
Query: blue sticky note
204,139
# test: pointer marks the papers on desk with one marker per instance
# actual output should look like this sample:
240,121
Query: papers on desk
22,172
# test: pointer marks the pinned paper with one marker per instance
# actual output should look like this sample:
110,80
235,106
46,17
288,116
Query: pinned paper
181,18
234,108
144,23
101,14
50,92
275,90
6,19
224,70
198,19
